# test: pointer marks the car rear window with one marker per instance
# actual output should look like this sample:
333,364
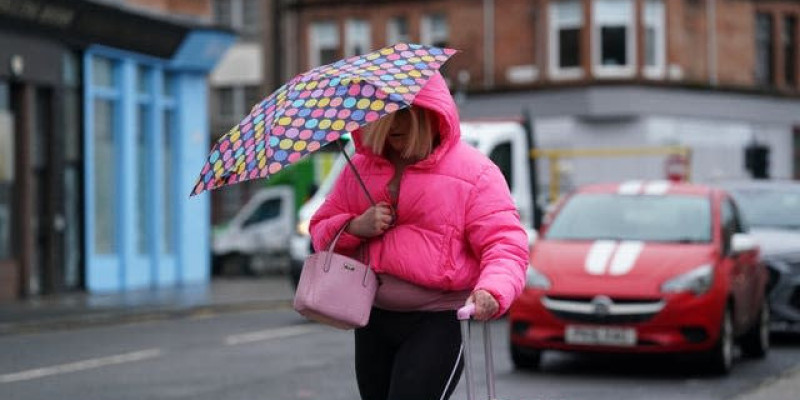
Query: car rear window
598,216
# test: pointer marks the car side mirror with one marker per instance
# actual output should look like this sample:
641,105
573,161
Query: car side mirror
743,242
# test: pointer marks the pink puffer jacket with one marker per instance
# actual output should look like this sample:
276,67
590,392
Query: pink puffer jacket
457,227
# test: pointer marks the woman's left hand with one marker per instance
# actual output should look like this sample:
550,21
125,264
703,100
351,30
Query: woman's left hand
485,304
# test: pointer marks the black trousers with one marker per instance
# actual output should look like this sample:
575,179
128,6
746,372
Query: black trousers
407,355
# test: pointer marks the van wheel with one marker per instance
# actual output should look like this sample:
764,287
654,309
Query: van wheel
526,358
720,358
755,343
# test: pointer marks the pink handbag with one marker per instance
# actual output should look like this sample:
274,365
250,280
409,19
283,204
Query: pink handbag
336,290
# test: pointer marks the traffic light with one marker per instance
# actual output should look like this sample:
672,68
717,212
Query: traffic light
756,160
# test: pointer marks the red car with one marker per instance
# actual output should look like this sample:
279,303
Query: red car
646,267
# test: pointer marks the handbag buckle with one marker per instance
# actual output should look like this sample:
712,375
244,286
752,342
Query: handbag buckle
349,267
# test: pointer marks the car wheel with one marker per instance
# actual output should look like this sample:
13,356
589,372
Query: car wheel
720,358
525,358
755,342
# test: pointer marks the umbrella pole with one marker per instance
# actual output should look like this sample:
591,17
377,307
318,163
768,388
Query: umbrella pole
355,171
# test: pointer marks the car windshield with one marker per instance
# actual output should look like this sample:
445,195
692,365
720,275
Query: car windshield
771,208
598,216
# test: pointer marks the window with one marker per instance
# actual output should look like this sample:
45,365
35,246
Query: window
324,43
266,211
789,39
170,129
143,191
357,37
251,17
241,15
105,167
6,170
566,22
764,54
234,102
796,140
434,30
169,149
222,12
613,39
599,216
103,72
144,114
654,39
397,31
730,223
252,96
226,103
501,156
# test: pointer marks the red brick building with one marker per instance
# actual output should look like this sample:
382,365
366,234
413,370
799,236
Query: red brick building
710,74
513,44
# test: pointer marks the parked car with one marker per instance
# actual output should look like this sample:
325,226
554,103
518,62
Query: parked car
772,209
650,267
257,237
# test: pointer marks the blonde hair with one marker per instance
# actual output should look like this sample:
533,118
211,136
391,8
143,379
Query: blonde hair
420,144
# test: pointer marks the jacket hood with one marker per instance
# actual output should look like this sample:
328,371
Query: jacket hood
434,97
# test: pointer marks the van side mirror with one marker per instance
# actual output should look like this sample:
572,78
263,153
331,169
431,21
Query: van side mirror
742,243
532,236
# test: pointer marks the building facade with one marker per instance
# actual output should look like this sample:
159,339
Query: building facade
105,105
713,75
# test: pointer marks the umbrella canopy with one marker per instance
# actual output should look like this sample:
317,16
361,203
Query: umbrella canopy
318,107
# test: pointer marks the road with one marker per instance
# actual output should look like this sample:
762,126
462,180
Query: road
277,355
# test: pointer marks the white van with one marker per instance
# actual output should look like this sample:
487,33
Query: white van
257,237
503,142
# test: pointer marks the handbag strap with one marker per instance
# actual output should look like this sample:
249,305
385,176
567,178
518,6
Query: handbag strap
332,245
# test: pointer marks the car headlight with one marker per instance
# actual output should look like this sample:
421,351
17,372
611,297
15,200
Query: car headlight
535,279
697,281
302,228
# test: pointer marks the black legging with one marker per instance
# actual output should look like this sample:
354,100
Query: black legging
407,355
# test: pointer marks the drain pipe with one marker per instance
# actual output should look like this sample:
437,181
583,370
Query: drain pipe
488,44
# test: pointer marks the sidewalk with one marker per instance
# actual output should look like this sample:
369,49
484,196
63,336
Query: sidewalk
783,387
76,310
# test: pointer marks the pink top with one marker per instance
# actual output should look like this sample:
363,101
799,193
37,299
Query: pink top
395,294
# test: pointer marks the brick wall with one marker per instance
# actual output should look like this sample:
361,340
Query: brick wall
521,36
195,8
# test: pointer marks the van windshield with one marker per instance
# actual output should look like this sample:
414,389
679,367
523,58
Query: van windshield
598,216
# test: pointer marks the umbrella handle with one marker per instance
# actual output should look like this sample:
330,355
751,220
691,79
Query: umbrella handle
355,171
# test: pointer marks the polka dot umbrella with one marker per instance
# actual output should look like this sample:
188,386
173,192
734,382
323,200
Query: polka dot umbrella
316,108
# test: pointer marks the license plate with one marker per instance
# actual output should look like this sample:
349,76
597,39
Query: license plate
600,335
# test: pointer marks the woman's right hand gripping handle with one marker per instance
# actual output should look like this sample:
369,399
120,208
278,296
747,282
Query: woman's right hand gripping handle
373,222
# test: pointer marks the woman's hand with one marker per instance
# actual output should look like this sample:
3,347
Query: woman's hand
373,222
485,304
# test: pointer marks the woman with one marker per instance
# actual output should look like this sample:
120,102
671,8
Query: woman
444,232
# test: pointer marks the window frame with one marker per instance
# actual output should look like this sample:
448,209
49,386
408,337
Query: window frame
654,15
599,21
393,34
768,78
357,32
431,34
555,71
789,40
318,40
